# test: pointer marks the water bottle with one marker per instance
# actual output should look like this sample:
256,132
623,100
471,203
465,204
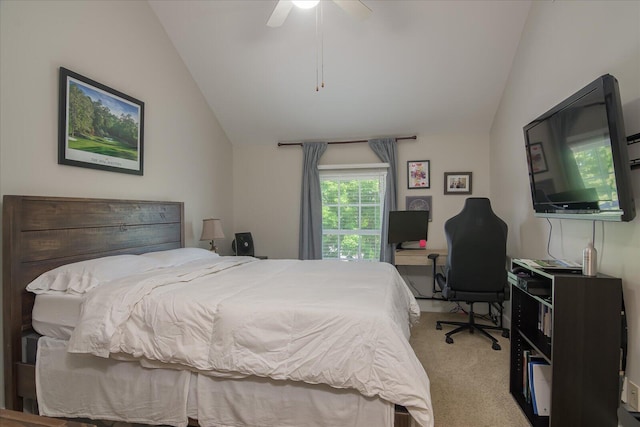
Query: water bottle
589,260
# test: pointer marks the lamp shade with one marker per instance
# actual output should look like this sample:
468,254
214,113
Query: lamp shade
212,229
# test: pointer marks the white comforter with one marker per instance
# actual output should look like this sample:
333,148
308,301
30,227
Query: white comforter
337,323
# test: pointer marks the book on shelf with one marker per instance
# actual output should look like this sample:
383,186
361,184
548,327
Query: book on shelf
540,384
544,320
529,357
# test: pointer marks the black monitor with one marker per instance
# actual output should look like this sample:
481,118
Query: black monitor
407,226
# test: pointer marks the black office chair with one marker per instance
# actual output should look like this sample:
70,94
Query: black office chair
476,265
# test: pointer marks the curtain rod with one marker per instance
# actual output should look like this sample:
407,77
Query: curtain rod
357,141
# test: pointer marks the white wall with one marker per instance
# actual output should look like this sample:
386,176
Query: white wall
187,156
267,184
566,45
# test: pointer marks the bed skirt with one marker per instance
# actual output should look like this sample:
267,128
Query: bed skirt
82,386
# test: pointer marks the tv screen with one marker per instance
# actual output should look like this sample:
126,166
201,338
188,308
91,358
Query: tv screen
577,156
407,226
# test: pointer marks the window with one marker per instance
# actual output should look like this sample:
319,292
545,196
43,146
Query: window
352,209
596,170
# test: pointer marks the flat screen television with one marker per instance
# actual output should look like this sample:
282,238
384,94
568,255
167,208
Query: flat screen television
407,226
577,156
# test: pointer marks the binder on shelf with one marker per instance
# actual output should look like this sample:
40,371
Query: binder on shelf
526,356
529,356
540,382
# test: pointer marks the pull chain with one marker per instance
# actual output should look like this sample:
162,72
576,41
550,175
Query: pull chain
316,49
322,42
319,46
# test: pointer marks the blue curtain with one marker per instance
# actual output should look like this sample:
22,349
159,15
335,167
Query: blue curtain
310,246
386,150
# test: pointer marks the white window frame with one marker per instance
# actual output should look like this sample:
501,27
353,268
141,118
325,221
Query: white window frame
354,171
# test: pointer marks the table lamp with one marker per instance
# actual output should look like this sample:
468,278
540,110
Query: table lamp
211,230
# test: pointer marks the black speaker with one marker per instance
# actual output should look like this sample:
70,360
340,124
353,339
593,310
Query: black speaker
243,244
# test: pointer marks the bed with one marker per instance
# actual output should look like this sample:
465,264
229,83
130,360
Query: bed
219,385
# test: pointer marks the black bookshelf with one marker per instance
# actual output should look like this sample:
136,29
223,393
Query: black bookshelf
580,340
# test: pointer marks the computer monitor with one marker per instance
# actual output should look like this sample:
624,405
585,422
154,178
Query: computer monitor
407,226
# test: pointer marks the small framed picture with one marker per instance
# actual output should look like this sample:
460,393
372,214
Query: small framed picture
418,174
538,160
419,203
457,182
99,127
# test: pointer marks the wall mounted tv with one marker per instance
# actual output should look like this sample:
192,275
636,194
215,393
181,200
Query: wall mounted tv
577,156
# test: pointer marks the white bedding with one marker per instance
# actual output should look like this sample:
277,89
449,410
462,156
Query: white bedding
108,389
320,322
55,315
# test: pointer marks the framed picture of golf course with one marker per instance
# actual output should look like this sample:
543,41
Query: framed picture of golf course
99,127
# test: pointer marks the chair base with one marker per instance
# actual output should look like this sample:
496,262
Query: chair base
472,326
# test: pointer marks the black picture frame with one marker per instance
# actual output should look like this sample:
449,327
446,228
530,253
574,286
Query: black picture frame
458,182
99,127
418,174
419,203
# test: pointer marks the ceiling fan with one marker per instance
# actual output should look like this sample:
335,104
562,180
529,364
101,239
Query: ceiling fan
283,7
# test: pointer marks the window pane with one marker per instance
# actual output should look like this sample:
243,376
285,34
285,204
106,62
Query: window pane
349,218
370,218
329,192
371,247
370,191
350,192
330,246
330,218
349,246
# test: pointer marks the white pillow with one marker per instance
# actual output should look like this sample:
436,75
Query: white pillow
80,277
180,256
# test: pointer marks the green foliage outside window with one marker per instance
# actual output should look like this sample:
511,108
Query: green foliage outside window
351,218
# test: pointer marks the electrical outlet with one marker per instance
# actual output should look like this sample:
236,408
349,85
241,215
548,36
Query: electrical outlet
632,396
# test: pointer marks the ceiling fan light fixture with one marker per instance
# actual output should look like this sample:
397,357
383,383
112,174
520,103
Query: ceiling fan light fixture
306,4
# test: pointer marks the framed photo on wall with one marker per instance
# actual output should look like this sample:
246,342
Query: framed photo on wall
457,182
99,127
418,174
419,203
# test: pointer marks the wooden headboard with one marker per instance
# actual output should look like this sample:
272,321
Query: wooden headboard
41,233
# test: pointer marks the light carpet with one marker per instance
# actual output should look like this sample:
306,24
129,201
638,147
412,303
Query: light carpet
469,380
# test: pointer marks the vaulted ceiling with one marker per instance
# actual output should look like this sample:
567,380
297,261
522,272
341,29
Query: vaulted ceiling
410,67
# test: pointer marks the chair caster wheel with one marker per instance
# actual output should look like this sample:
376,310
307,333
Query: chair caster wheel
505,334
438,326
449,340
496,346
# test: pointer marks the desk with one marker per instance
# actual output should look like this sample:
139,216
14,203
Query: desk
407,257
419,256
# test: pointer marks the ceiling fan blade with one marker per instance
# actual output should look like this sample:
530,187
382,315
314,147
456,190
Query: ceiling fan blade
354,7
280,13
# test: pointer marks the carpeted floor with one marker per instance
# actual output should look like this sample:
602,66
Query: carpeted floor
469,380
